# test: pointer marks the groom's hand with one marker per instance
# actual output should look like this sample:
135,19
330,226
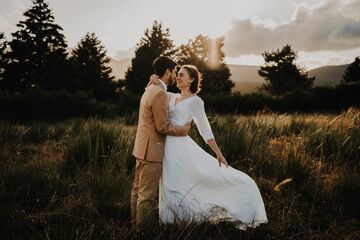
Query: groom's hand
187,128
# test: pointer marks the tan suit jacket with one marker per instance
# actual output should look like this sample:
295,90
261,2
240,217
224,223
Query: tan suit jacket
154,125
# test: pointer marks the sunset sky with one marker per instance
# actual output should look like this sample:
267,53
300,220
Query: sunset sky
323,32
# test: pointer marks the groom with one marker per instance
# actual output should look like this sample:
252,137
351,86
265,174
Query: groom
153,126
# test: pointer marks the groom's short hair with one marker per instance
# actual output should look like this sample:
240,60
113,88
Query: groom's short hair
162,63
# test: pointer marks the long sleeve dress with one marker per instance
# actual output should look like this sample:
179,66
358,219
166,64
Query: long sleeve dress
193,187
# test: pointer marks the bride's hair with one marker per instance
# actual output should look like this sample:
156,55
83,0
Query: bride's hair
194,73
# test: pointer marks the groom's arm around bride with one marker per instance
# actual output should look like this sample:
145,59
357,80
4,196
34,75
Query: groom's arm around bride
154,125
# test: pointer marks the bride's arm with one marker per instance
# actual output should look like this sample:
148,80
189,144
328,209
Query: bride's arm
216,150
197,111
153,79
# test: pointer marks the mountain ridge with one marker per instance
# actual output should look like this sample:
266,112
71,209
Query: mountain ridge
246,77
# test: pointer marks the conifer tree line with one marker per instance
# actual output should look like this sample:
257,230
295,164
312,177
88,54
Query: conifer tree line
37,57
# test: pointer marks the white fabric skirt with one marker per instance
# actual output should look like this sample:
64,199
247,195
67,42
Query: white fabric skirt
194,188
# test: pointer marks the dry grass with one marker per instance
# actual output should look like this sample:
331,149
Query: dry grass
71,180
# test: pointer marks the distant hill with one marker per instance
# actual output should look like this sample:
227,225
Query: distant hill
119,67
246,77
328,75
245,73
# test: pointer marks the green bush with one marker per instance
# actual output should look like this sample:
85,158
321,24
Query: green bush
41,104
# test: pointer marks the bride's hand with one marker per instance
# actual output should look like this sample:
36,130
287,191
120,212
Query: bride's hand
153,79
222,160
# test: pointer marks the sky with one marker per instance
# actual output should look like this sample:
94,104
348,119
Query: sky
322,32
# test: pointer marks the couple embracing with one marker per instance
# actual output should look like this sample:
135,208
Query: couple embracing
193,186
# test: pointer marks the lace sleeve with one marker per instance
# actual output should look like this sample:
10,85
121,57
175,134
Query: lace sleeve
197,111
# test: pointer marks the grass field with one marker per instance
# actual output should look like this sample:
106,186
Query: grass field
72,179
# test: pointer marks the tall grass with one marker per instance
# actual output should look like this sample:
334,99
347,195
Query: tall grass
88,179
72,179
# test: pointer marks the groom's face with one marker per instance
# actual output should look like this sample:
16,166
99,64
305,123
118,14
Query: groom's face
173,76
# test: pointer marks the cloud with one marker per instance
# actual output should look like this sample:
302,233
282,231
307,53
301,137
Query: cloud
332,25
6,26
11,8
10,13
122,54
312,60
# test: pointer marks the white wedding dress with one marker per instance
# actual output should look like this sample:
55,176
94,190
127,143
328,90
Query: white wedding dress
193,187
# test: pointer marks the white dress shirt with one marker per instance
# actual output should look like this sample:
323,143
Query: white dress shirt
162,83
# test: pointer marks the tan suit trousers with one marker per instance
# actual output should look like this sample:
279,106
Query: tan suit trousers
144,207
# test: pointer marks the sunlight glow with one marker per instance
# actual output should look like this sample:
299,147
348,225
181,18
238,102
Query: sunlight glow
214,55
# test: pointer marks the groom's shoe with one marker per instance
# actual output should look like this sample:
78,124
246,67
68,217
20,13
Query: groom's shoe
138,235
142,234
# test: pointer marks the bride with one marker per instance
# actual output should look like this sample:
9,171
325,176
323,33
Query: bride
195,186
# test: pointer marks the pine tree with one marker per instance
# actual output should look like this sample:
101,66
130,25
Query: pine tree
38,51
352,73
92,73
282,74
155,43
207,55
3,57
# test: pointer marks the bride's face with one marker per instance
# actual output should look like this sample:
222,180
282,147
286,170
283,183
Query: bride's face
183,79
